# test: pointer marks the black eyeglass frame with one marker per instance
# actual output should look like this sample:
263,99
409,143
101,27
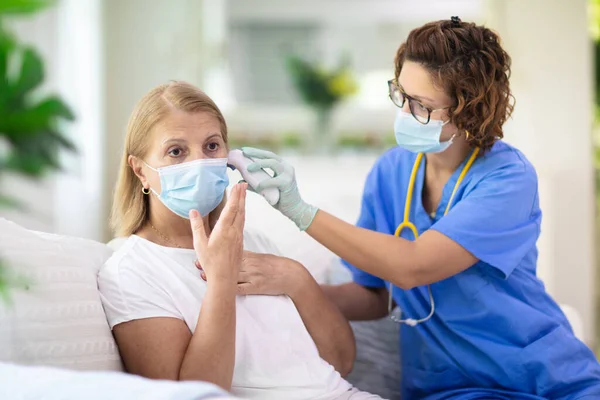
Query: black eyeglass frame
393,86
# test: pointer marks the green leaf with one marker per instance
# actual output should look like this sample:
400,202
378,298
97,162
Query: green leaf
50,157
8,202
30,121
7,45
62,141
31,127
23,6
31,75
10,281
57,108
4,284
33,165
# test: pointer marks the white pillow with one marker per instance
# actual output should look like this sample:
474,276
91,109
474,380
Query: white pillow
29,383
58,319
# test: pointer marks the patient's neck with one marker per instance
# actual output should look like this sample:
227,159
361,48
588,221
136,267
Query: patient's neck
168,229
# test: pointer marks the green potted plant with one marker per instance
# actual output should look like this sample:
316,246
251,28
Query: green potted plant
31,124
321,90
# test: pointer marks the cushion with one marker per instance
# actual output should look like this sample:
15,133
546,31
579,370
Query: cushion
57,318
20,382
377,367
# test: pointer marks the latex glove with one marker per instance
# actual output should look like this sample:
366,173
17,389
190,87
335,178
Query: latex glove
290,202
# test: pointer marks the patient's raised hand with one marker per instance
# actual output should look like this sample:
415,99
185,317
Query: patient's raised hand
220,254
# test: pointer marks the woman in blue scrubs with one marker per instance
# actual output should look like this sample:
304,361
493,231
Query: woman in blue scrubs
448,229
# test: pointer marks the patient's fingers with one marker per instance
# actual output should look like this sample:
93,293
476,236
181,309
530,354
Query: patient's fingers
240,218
198,231
244,277
245,289
229,213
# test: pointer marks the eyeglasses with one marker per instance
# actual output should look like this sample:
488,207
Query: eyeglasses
418,110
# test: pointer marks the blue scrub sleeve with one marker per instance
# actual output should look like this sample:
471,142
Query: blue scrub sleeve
499,220
367,220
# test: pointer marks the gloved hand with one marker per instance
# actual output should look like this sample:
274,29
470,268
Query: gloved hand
290,203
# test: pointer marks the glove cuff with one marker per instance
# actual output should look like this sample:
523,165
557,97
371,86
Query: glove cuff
304,216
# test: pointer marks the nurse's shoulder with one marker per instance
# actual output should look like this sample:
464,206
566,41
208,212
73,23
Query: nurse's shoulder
504,157
504,170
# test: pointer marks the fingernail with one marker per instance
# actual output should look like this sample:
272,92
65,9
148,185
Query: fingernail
203,276
194,214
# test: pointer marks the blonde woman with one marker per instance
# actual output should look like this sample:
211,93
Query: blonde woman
168,321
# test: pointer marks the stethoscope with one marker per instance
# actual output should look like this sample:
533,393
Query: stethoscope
407,224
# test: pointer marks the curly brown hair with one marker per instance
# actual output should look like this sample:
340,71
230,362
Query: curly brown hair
467,61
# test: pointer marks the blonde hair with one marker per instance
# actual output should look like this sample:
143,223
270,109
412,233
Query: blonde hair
130,209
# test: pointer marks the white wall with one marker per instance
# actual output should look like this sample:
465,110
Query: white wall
79,203
552,82
364,11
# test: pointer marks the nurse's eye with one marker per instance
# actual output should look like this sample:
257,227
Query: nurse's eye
421,107
175,152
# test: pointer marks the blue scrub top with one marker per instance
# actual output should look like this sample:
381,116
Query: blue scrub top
496,333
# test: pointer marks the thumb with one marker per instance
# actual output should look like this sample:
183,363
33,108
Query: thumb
198,231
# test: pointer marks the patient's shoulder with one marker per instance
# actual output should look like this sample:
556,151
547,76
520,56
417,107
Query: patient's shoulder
258,242
130,254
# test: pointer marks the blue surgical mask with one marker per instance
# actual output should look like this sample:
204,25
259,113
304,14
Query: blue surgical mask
418,138
196,185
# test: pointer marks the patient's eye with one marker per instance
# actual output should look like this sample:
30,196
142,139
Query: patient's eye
213,146
175,152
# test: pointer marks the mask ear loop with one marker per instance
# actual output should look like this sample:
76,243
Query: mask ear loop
147,191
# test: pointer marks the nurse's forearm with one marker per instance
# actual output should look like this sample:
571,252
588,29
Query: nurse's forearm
358,303
373,252
405,263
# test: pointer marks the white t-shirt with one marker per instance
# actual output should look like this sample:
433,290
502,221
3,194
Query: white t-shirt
275,356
